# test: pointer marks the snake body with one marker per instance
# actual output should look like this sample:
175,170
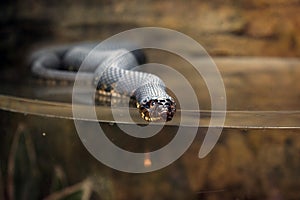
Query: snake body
110,70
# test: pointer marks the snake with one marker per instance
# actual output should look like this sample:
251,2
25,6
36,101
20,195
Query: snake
111,71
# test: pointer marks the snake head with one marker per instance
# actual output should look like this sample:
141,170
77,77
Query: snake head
157,109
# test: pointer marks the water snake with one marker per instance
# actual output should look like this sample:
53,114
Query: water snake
111,70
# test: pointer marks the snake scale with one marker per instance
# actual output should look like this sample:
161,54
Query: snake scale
111,70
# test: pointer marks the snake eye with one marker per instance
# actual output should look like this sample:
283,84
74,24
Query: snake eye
147,105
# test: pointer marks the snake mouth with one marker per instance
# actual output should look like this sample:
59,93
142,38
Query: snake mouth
159,110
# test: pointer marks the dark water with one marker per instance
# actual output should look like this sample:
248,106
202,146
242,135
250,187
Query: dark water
48,156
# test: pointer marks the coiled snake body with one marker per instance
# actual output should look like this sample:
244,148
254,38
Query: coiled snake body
112,71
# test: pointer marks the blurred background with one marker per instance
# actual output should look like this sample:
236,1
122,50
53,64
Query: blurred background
253,28
41,160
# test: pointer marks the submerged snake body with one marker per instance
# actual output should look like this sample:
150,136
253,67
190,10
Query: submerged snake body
112,71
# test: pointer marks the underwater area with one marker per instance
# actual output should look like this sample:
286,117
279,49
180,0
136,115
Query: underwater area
254,44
